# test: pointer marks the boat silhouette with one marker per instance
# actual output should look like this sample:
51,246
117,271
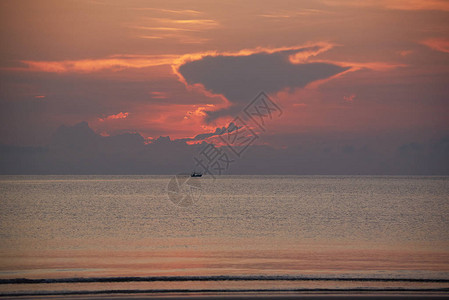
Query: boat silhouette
196,174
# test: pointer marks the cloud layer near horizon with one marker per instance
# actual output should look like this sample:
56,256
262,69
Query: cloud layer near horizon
78,150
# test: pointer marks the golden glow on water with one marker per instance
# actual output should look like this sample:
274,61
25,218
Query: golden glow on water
78,263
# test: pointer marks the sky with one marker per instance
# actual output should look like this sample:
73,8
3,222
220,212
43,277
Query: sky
363,85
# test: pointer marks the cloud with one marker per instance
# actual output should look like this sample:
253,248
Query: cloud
349,98
405,52
79,150
285,14
200,22
240,77
438,44
114,63
162,28
119,62
218,131
184,30
441,5
169,11
120,115
374,66
159,95
179,36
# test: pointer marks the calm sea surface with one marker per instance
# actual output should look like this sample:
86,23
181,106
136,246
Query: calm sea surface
242,233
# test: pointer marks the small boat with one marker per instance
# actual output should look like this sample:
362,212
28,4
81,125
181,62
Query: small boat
195,174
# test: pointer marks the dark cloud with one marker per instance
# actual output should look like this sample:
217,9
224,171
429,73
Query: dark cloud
81,138
78,150
70,98
218,131
241,78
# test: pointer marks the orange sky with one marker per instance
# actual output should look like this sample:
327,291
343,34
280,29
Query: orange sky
115,65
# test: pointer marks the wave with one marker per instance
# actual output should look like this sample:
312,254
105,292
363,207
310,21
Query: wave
213,278
230,291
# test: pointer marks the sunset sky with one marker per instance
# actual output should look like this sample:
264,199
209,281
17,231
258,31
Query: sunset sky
346,73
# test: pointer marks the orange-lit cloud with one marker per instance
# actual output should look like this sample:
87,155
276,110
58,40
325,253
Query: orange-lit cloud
296,58
170,11
438,44
417,4
199,111
354,66
159,95
186,24
177,120
320,47
114,63
162,28
405,52
185,31
442,5
299,104
375,66
181,38
349,98
121,62
284,14
120,115
303,56
200,22
310,50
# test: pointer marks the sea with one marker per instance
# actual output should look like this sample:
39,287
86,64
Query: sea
165,235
